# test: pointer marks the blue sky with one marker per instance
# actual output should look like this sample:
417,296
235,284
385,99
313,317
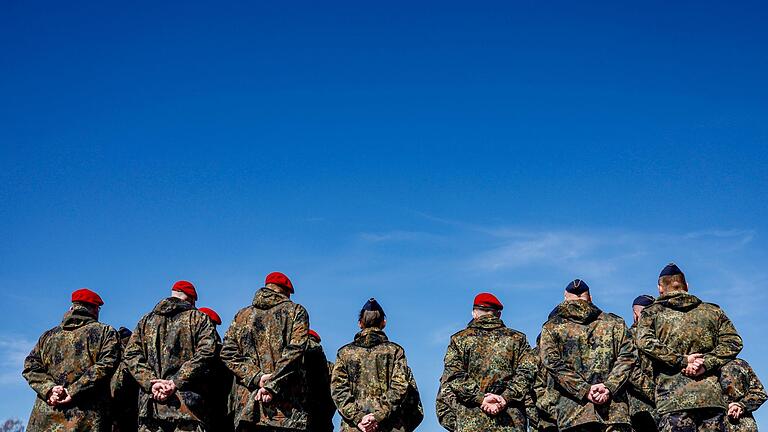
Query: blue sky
416,153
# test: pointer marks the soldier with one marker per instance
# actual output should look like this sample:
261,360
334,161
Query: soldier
69,369
642,408
319,401
744,393
543,395
489,368
169,355
220,385
590,355
371,378
689,341
264,347
125,393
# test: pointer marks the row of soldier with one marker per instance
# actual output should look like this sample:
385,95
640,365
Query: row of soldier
675,369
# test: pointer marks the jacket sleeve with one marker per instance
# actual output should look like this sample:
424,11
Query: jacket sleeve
458,381
247,371
755,395
519,386
729,344
292,353
106,361
626,361
205,350
341,391
562,373
135,358
398,388
445,408
35,371
649,343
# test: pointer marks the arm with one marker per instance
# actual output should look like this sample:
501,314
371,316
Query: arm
729,344
247,371
106,361
205,349
649,344
398,387
625,364
457,380
292,353
135,358
755,395
341,391
35,371
520,384
561,372
445,408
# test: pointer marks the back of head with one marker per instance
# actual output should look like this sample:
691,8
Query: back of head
577,289
372,315
672,279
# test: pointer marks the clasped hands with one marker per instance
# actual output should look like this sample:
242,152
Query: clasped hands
58,396
368,423
735,411
695,365
162,389
599,394
263,395
493,404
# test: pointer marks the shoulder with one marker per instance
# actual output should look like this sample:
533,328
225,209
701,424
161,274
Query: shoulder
613,318
48,333
395,347
514,334
345,350
462,334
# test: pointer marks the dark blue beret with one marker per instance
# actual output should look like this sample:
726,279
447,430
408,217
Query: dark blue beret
373,305
124,333
670,270
577,287
643,300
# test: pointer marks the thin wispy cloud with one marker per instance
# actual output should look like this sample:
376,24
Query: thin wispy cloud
13,351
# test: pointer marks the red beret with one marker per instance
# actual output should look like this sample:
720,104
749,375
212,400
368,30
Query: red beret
211,314
185,287
488,301
85,295
314,335
278,278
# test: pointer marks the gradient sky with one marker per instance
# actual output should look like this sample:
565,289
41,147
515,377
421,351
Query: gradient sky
416,153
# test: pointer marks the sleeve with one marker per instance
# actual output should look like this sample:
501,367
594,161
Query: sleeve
729,344
292,353
626,361
35,371
518,388
445,408
135,358
247,371
341,391
456,378
398,387
107,359
205,350
755,395
561,372
649,343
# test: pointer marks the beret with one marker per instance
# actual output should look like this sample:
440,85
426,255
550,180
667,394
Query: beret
278,278
314,335
211,314
670,269
185,287
643,300
124,333
577,286
487,301
84,295
373,305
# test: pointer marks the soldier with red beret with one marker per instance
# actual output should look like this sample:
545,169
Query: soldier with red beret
169,354
320,405
69,368
220,385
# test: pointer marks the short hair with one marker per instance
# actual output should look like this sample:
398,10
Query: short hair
371,318
487,311
673,282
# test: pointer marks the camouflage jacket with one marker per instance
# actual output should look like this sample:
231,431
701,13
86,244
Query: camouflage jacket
174,342
218,392
268,337
125,397
370,376
582,346
488,357
445,408
320,406
642,388
545,398
741,385
676,325
80,354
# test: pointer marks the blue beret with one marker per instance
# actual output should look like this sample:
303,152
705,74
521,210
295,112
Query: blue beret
124,333
577,286
643,300
373,305
670,270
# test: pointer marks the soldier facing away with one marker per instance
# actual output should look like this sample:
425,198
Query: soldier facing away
125,393
642,408
264,347
371,378
319,401
219,384
169,355
744,393
69,369
689,341
590,355
489,368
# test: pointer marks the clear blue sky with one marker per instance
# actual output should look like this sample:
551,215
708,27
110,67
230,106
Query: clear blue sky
416,153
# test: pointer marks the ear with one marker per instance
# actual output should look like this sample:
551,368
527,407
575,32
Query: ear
661,290
383,323
360,324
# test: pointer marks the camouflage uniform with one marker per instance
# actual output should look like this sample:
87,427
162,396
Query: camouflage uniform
488,357
371,376
676,325
319,402
411,410
80,354
581,346
125,395
217,393
445,408
545,397
173,342
741,385
642,408
268,337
